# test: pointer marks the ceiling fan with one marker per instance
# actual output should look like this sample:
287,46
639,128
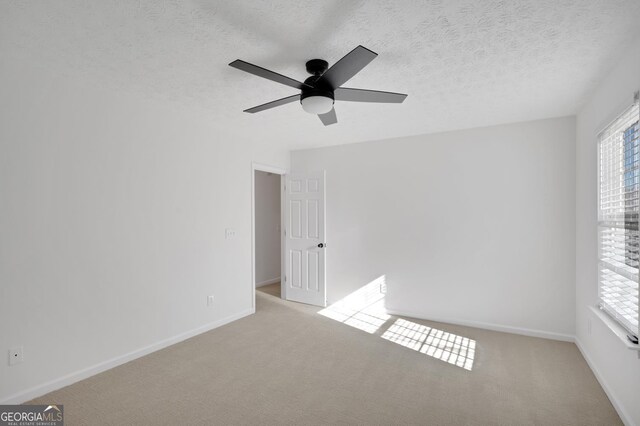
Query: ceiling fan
319,92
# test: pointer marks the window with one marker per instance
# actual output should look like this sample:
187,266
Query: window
618,211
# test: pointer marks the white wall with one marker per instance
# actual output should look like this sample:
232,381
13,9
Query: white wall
617,367
267,217
473,226
112,225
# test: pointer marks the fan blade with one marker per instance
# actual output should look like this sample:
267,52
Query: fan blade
273,104
265,73
347,67
329,118
363,95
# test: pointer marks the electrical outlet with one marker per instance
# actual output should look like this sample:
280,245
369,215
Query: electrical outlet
229,233
15,355
210,300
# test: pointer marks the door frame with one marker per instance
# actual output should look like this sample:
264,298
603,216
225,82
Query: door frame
283,173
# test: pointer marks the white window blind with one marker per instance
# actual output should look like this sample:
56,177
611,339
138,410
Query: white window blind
618,210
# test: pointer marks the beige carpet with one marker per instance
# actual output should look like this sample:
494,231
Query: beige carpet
272,289
287,365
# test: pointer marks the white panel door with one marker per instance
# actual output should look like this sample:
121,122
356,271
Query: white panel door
305,238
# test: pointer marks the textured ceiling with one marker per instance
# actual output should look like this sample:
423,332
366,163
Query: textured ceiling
463,63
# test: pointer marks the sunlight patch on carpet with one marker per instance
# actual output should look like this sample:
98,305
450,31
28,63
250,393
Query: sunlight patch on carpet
439,344
362,309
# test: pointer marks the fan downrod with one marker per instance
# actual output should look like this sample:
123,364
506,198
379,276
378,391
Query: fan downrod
317,67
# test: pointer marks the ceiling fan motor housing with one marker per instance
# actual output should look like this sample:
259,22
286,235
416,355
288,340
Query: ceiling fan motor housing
316,67
317,99
317,90
318,94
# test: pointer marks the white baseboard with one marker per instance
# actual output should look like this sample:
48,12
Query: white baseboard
489,326
69,379
612,397
267,282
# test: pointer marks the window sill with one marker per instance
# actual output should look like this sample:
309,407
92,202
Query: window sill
615,328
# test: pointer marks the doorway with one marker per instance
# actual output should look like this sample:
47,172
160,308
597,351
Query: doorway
288,218
267,188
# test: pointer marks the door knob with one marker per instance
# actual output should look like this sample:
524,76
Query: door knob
321,245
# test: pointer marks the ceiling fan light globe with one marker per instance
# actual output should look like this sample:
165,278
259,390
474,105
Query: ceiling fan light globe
317,104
